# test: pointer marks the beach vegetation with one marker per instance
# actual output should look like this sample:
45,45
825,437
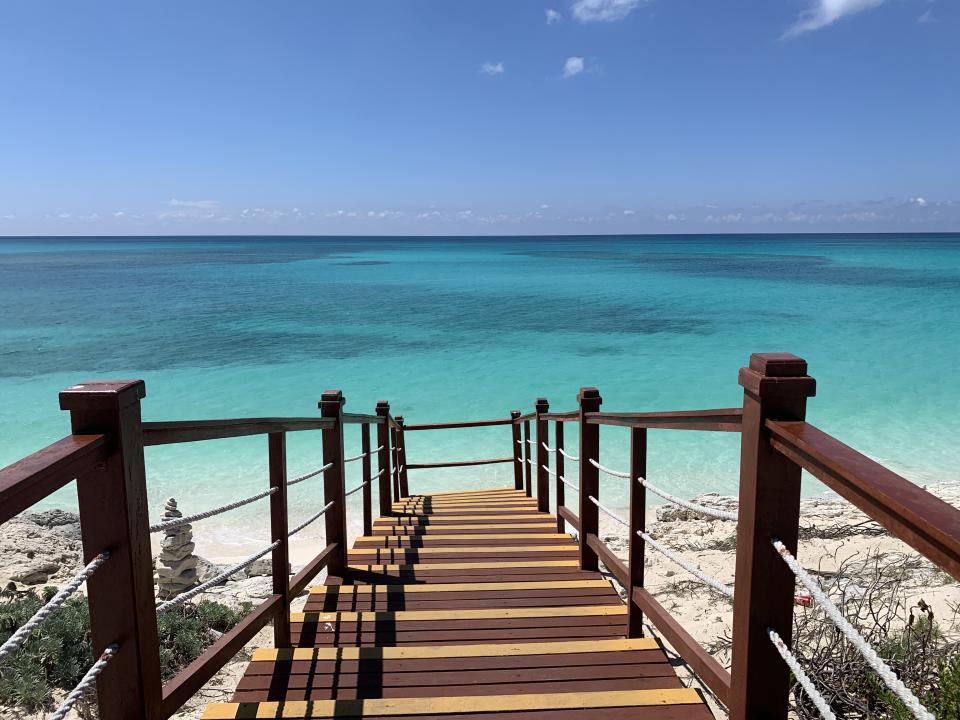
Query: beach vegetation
57,655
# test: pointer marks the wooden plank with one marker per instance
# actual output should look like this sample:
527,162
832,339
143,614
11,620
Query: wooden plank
467,536
452,705
453,651
404,615
456,527
462,587
617,566
470,565
723,420
430,519
279,531
489,550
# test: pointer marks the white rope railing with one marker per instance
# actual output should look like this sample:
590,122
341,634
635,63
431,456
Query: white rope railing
309,475
193,592
362,455
562,479
694,507
790,659
548,448
689,567
312,518
886,674
608,511
358,488
40,617
528,461
181,521
608,471
567,455
88,681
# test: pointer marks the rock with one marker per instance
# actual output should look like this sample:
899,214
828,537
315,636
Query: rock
260,568
176,566
44,552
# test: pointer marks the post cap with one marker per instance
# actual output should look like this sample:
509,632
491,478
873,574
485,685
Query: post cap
588,393
399,419
541,405
383,407
103,394
781,374
332,396
514,414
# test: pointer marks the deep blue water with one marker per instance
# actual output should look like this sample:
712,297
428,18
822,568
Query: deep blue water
456,328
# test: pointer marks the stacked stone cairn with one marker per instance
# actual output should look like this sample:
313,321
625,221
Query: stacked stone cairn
177,565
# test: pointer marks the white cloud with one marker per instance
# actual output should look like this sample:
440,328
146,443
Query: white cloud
826,12
119,214
629,212
553,16
928,17
8,217
196,204
602,10
573,66
918,201
492,69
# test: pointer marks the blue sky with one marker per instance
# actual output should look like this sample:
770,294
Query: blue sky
500,116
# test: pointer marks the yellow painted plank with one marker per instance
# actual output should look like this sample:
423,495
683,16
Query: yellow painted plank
461,587
446,538
469,565
291,709
511,516
496,526
454,651
454,550
478,491
479,614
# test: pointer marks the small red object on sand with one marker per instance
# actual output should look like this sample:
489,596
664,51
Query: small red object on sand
804,600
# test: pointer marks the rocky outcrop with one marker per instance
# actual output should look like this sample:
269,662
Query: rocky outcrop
40,548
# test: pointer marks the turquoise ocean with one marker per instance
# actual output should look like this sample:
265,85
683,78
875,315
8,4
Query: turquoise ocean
469,328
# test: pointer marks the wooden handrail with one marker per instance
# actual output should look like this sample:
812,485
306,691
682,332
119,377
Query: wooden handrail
362,419
571,416
722,420
524,417
458,463
693,653
31,479
177,431
919,518
300,581
462,424
570,516
193,677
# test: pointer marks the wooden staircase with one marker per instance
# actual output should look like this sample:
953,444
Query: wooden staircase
465,604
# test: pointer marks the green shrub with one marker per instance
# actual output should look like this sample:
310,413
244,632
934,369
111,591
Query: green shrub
58,654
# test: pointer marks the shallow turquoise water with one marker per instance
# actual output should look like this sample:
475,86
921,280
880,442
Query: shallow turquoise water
472,328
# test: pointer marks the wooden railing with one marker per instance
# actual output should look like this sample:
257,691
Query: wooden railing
105,455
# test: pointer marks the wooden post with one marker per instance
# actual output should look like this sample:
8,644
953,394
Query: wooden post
517,451
115,518
776,387
331,406
367,492
558,467
395,440
638,521
543,481
528,482
383,459
402,454
589,401
277,452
